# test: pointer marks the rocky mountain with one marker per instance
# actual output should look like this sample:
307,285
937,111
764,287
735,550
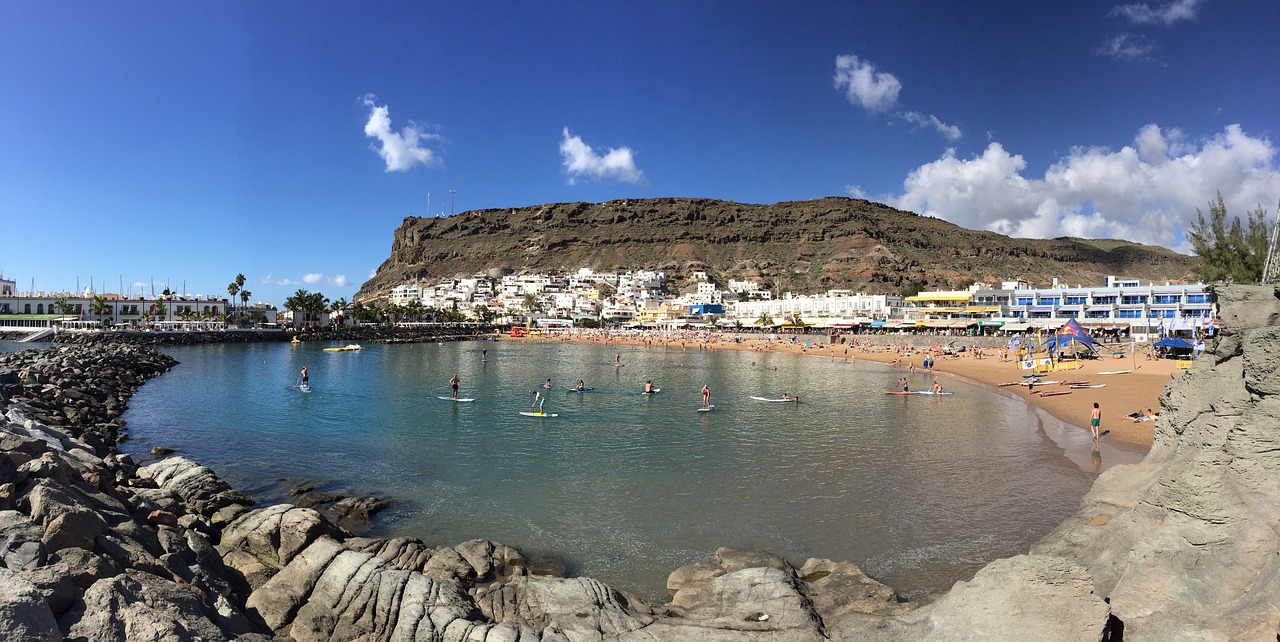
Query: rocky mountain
798,246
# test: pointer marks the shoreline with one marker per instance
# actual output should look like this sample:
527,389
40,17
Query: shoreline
108,546
1124,393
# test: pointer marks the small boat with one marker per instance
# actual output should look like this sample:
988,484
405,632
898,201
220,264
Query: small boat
295,340
347,348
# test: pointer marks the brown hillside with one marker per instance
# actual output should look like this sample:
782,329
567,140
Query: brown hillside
800,246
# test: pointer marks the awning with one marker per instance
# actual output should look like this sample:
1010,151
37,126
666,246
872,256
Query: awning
981,310
878,324
1016,327
935,323
1099,308
962,323
1042,308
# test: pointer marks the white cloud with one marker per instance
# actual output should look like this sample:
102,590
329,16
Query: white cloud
1127,46
312,278
287,282
401,150
339,280
1142,13
580,161
1147,192
875,91
950,132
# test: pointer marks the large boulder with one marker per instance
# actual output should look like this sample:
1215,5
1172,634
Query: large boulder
577,608
24,613
276,534
140,606
21,542
203,492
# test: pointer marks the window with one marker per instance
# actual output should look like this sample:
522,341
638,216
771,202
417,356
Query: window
1050,300
1128,314
1197,298
1024,301
40,308
1166,298
26,308
1076,300
1133,299
1104,300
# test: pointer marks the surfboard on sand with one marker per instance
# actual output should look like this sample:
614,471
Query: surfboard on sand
539,414
1011,383
459,399
707,409
1054,393
1089,385
1111,372
1031,376
774,400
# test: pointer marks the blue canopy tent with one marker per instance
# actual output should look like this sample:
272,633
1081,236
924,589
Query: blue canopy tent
1174,343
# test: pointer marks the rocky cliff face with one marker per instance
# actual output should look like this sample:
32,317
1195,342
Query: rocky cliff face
802,246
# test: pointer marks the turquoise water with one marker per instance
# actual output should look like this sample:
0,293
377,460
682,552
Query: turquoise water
918,491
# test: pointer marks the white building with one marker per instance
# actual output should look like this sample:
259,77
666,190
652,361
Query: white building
836,305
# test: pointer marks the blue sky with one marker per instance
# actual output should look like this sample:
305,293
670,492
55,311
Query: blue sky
189,142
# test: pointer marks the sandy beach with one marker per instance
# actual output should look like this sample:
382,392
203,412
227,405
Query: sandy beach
1133,391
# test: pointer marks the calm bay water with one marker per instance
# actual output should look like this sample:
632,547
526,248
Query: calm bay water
920,492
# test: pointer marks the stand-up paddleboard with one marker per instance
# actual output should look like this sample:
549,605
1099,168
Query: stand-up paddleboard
1089,385
774,400
1073,383
898,392
653,392
1036,382
930,392
304,387
459,399
707,409
1030,376
1054,393
1010,383
580,390
539,414
1111,372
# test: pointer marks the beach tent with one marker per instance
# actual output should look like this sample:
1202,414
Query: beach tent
1070,332
1177,343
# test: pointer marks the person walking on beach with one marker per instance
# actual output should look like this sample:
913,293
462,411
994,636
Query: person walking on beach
706,396
453,385
1095,419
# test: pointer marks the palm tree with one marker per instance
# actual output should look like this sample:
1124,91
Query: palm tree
764,320
340,306
60,305
98,306
298,304
414,310
484,314
233,290
244,298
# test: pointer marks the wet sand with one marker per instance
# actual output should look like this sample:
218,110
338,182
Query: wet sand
1132,391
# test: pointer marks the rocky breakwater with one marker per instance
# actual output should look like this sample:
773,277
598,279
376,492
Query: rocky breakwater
168,338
